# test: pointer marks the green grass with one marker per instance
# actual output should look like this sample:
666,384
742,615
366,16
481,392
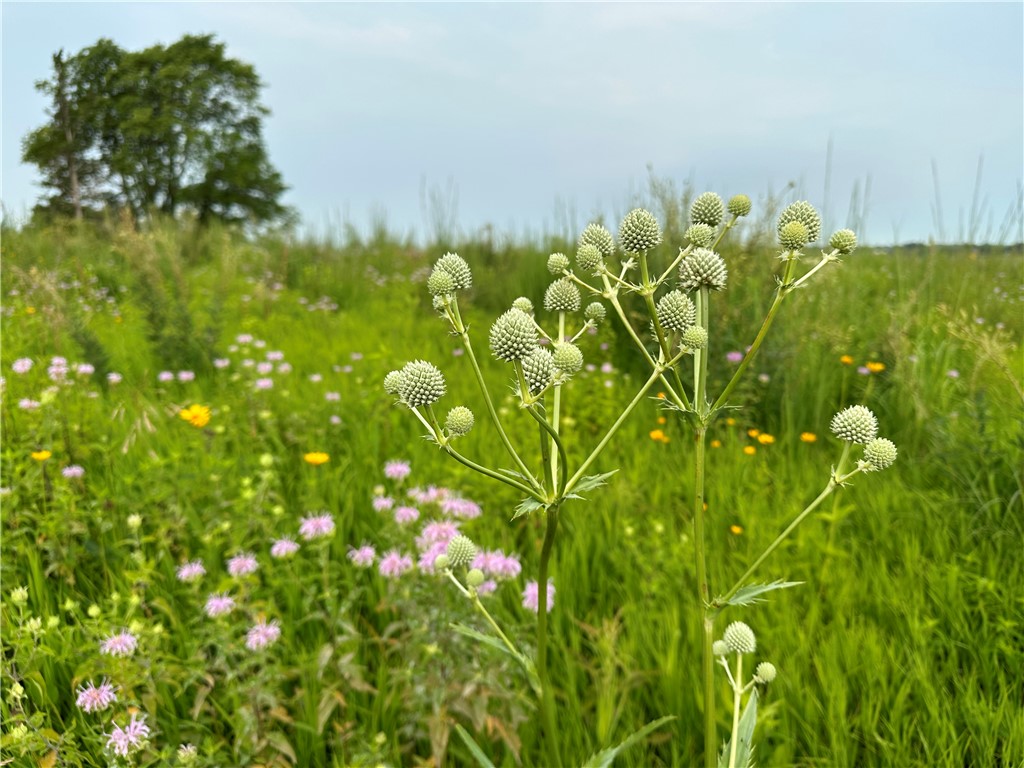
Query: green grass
902,647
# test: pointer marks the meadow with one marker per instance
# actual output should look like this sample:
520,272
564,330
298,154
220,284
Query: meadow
179,402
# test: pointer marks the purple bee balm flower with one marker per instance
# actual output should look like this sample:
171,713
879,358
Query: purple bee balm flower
123,643
531,596
264,368
383,503
430,555
363,557
123,741
397,470
219,604
96,698
405,515
164,376
27,404
953,373
244,338
22,365
464,508
437,532
242,564
335,419
316,378
283,548
275,356
284,368
734,357
85,369
332,397
73,471
487,587
221,362
316,527
191,571
263,384
262,634
394,564
114,377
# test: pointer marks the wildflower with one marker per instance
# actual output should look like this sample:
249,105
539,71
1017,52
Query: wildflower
404,515
122,741
394,564
739,638
716,443
429,561
133,521
284,368
335,419
749,450
123,643
316,378
856,424
846,360
244,338
497,564
765,439
196,415
22,365
316,458
531,598
19,595
164,376
219,604
41,455
264,368
437,532
658,436
262,634
383,503
95,699
461,508
27,404
264,384
316,527
283,548
875,367
734,357
191,571
808,437
863,370
242,565
736,530
114,377
187,754
397,470
275,356
221,362
363,557
953,373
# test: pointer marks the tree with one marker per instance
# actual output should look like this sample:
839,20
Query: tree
168,128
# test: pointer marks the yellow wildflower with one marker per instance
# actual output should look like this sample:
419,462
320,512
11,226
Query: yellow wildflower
875,367
41,455
846,360
716,443
753,432
736,530
316,458
749,450
196,415
30,310
808,437
730,421
765,439
662,420
658,435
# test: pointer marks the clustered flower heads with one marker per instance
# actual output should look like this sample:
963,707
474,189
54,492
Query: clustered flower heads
676,312
558,263
513,335
418,383
855,424
639,231
598,237
707,208
806,214
703,268
562,296
457,269
701,235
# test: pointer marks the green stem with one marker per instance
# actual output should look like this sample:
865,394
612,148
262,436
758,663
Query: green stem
700,362
553,459
547,698
737,699
556,412
704,593
648,295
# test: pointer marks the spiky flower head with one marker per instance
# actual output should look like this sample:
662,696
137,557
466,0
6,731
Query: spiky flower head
765,672
739,638
562,296
459,421
739,205
855,424
475,577
438,302
694,337
676,312
843,240
523,304
421,383
600,238
513,335
589,258
461,551
719,648
702,268
440,282
707,208
558,263
639,231
880,453
594,312
701,235
793,236
567,358
805,213
393,382
538,369
457,267
442,562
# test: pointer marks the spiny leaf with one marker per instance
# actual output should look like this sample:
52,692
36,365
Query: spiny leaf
751,593
604,758
590,482
527,506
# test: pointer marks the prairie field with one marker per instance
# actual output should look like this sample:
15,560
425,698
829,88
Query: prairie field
178,402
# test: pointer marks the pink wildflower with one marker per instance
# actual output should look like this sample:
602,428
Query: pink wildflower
436,532
243,564
464,508
332,397
383,503
264,384
404,515
123,741
27,404
363,557
734,357
397,470
316,527
219,604
85,369
283,548
262,634
73,471
92,698
191,571
164,376
123,643
531,597
264,368
114,377
430,555
394,564
22,365
221,362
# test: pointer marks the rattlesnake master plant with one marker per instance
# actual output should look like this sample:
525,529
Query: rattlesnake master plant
674,343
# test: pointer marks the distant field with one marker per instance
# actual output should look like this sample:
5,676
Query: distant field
903,647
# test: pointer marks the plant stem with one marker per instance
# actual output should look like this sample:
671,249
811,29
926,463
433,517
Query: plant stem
737,698
547,698
704,592
555,413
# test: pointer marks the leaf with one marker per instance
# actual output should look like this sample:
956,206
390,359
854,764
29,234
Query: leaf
473,747
744,736
604,758
493,642
528,505
279,741
590,482
751,593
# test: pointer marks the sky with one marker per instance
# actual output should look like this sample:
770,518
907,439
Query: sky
537,117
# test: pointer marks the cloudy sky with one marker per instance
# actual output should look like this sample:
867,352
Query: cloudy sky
537,116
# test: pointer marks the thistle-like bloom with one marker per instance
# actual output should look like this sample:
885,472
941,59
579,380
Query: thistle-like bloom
595,312
856,424
765,672
262,634
191,571
219,604
562,296
589,258
363,556
707,208
702,268
440,283
422,384
283,548
457,267
459,421
393,382
567,358
558,263
806,214
397,470
880,453
242,564
600,238
513,335
93,698
531,596
523,304
124,741
123,643
739,638
694,337
793,236
844,241
701,235
639,231
316,527
676,312
196,415
460,550
538,369
393,564
739,205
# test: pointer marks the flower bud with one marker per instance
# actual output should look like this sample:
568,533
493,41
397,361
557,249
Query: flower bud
719,648
739,205
422,383
460,421
739,638
695,337
880,453
843,240
441,562
702,268
765,672
457,267
513,335
639,231
558,263
562,296
538,369
475,577
676,312
805,213
600,238
461,551
594,312
855,424
701,235
589,258
567,358
793,236
393,382
440,283
707,208
523,304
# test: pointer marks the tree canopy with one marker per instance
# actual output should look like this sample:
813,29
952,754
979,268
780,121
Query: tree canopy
168,129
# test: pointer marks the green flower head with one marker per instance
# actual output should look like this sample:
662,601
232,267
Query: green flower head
513,335
558,263
676,312
855,424
739,638
460,421
538,369
739,205
567,358
461,551
702,268
701,235
707,208
421,384
805,213
589,258
793,236
457,267
844,241
639,231
562,296
765,672
600,238
440,282
523,304
695,337
880,453
393,382
595,312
